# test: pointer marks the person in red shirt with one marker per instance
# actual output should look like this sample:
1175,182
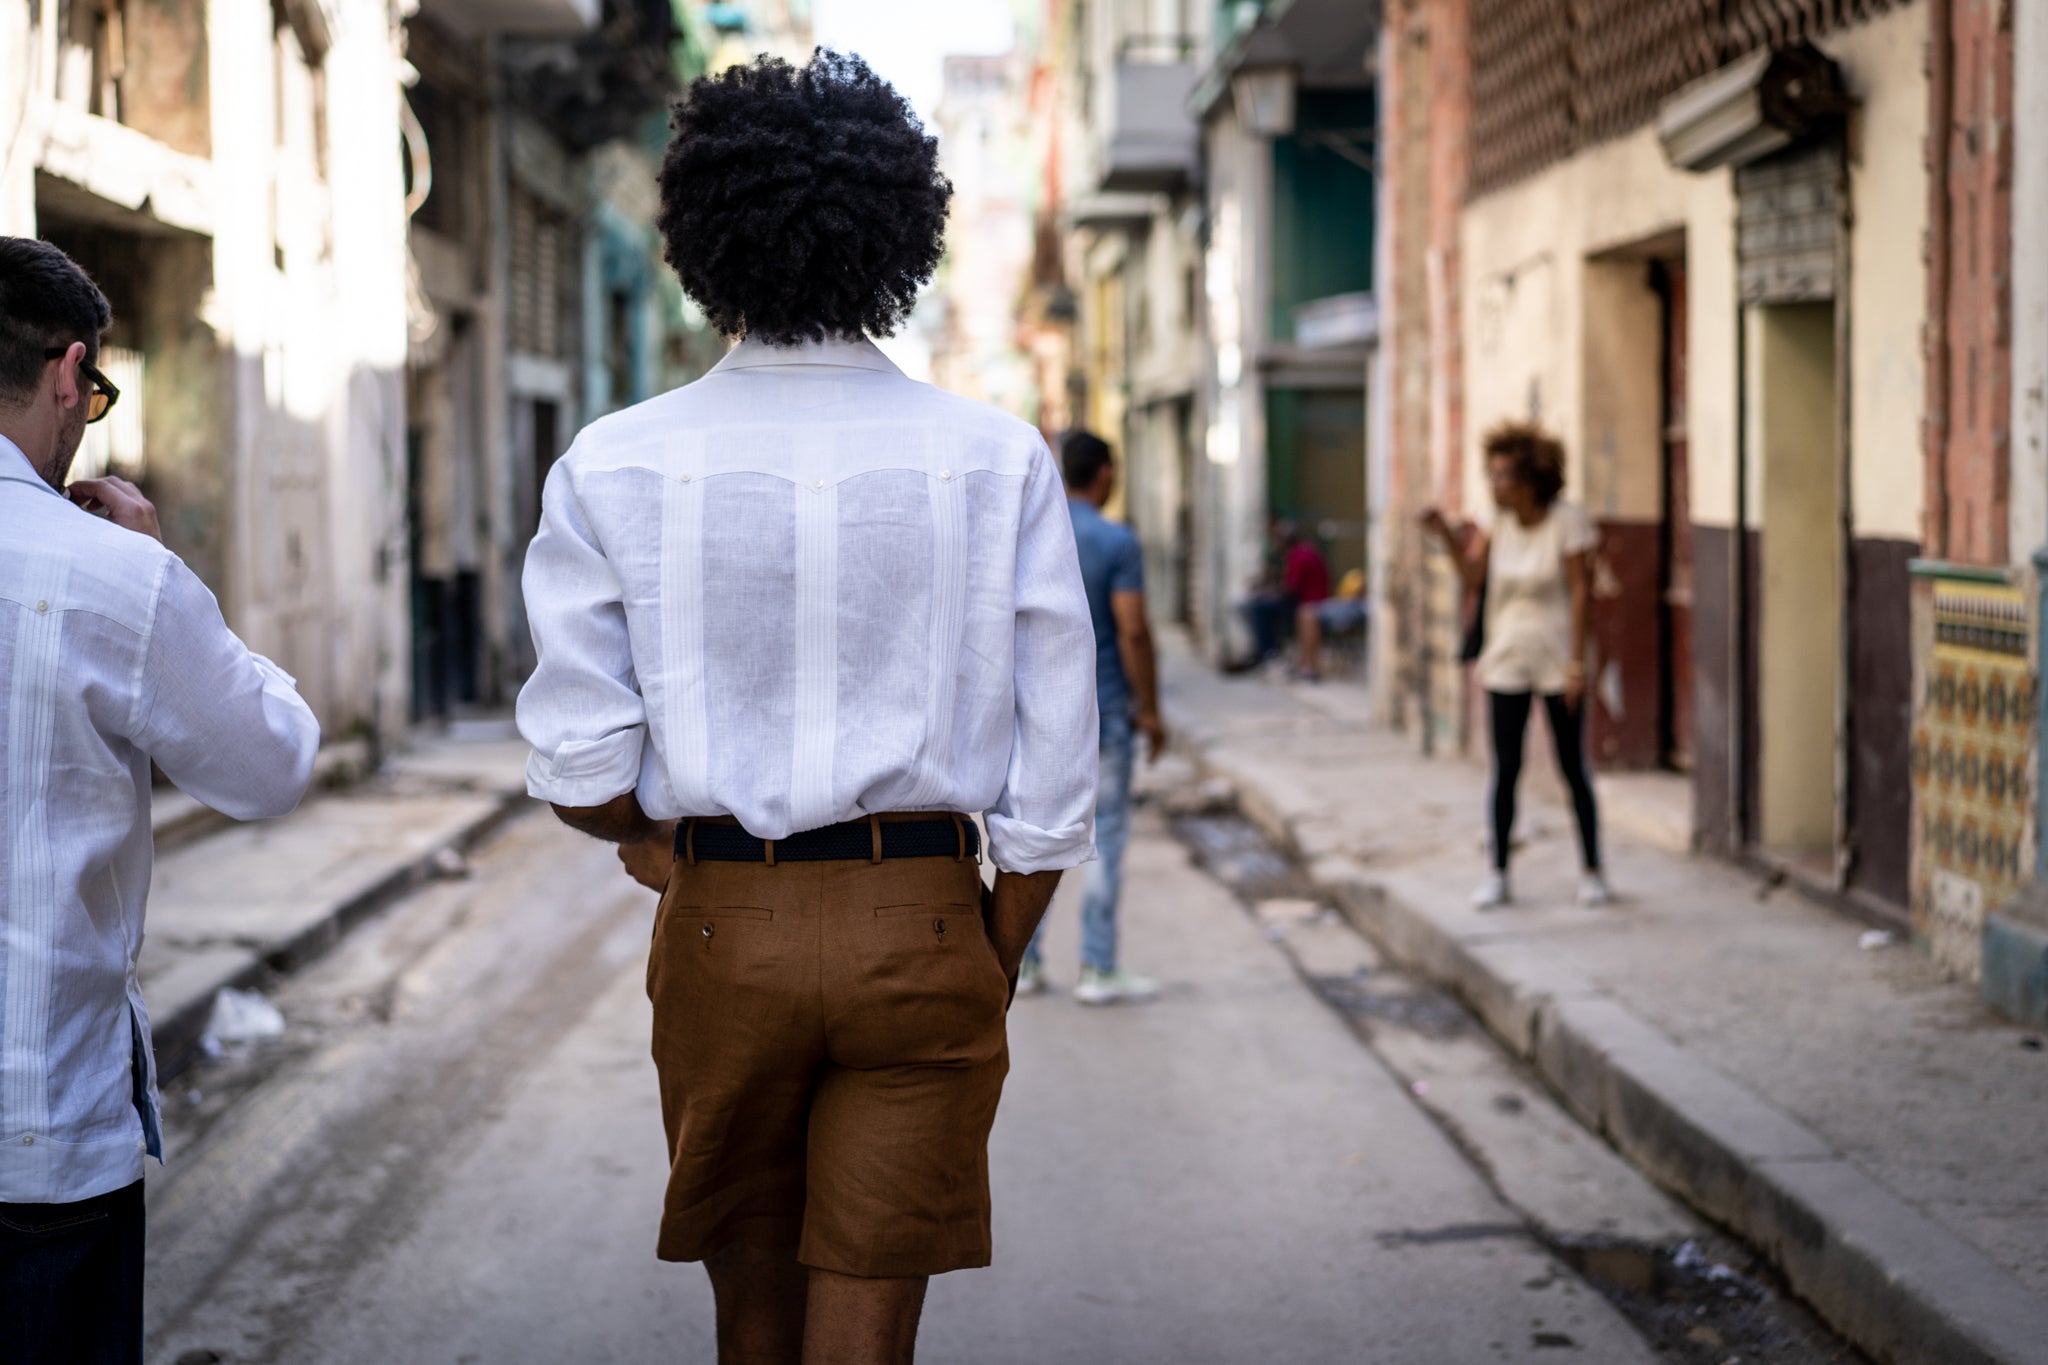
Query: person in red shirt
1305,575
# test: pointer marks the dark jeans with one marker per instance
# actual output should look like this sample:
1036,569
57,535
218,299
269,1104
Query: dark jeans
71,1281
1509,712
1270,617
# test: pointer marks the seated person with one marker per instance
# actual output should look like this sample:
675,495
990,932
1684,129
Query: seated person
1269,608
1348,609
1306,579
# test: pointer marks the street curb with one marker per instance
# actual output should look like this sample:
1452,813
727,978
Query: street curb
176,819
176,1032
1895,1283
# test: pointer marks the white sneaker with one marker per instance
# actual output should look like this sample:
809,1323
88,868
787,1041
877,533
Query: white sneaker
1030,979
1593,890
1108,988
1492,893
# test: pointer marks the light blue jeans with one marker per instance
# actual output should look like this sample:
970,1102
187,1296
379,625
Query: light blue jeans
1105,876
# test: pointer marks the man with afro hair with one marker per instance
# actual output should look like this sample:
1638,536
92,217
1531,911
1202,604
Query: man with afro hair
797,624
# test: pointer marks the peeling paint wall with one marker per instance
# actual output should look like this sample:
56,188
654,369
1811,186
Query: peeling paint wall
268,309
2030,280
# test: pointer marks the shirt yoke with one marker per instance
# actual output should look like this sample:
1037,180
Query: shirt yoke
812,426
65,559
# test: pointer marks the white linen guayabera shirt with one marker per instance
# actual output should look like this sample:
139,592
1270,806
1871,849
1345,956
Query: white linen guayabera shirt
112,653
805,589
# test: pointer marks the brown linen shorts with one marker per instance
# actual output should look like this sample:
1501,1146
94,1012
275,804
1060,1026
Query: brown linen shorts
831,1046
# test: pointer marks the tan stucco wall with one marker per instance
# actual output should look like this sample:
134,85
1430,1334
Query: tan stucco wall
1884,64
1557,311
1554,321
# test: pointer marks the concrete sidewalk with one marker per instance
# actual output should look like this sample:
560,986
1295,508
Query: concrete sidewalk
231,903
1864,1121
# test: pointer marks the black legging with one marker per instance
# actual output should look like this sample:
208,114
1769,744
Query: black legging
1510,715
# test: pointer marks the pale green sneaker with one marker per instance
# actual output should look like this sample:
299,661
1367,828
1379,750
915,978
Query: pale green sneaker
1113,987
1030,979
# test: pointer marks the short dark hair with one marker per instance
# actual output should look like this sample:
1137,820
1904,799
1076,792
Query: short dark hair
1083,457
800,203
46,300
1537,455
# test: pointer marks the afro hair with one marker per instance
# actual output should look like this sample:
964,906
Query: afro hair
1537,456
800,203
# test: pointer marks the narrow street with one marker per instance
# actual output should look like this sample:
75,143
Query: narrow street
455,1156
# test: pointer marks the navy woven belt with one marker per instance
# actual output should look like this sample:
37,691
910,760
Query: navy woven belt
854,840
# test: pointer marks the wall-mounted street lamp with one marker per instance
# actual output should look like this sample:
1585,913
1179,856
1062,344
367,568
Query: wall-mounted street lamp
1751,108
1264,96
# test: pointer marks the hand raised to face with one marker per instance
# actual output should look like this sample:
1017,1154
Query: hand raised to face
119,501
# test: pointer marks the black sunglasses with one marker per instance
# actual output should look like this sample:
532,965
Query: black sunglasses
104,394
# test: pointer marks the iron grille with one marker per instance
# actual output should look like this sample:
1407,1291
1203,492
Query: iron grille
1628,56
1521,88
1550,77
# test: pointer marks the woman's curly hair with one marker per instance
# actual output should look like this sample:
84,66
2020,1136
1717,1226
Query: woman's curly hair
799,203
1538,457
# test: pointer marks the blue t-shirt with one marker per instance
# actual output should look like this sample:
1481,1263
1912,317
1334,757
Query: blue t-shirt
1110,563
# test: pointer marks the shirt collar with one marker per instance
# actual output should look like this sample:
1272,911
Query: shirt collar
833,352
14,464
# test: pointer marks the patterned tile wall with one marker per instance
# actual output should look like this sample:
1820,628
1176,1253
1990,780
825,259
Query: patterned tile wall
1972,773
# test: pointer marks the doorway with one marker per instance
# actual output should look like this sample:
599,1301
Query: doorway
1675,552
1792,378
1317,470
1184,436
444,492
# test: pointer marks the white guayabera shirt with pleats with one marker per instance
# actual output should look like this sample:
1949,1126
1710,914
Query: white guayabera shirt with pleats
806,589
112,653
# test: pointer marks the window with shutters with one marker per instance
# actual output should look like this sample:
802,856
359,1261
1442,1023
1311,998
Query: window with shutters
543,278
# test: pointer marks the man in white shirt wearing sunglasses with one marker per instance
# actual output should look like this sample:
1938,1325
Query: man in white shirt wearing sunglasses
112,654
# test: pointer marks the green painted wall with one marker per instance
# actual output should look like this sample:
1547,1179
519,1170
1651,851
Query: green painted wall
1315,467
1322,204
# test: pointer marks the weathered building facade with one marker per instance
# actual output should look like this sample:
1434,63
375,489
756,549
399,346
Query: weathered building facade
535,296
1753,263
1289,117
985,149
541,299
225,171
1218,206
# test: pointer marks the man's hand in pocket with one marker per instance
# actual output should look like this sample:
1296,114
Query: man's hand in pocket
648,860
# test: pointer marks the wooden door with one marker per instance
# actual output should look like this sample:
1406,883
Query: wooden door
1676,586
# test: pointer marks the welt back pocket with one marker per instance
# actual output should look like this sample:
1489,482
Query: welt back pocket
926,908
725,912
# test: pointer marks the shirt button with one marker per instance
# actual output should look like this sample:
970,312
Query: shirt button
945,473
817,485
29,1141
42,606
685,478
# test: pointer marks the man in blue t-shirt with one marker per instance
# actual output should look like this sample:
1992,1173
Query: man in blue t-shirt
1127,694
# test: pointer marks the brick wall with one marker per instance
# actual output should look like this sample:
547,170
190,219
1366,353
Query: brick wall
1969,363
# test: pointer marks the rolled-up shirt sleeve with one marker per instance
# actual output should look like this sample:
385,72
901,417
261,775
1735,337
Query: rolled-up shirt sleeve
581,710
1045,818
227,726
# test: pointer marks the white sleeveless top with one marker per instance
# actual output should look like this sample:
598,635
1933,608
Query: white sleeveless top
1528,600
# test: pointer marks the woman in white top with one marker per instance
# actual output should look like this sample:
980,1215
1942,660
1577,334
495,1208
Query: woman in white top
1534,567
